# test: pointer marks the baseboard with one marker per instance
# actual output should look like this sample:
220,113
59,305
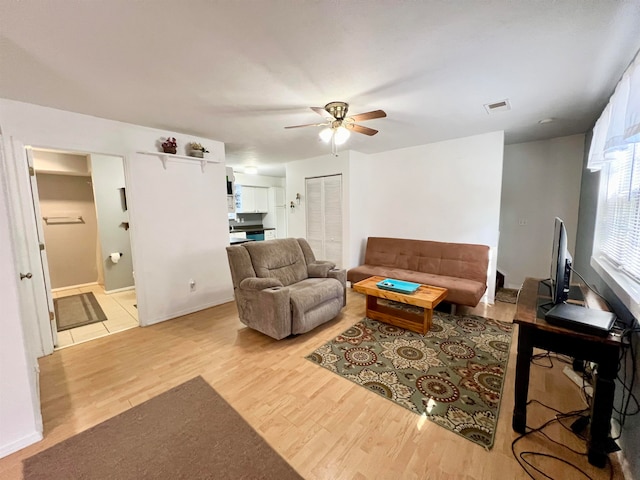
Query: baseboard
60,289
20,444
187,311
118,290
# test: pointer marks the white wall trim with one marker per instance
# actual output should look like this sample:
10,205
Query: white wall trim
186,311
19,444
117,290
82,285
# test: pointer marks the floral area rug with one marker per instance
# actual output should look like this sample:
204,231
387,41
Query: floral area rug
454,374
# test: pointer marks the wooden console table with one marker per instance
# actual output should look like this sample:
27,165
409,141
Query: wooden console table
534,331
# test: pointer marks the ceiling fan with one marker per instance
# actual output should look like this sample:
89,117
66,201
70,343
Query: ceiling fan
338,125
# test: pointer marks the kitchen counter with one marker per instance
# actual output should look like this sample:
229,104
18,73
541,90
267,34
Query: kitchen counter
238,241
250,229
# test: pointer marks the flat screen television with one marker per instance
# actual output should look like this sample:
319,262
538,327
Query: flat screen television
561,262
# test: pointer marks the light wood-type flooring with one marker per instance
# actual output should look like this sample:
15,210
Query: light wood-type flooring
326,427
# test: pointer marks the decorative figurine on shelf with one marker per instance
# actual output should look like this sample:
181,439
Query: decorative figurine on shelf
197,150
170,145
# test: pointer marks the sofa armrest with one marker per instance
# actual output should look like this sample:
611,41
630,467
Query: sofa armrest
257,284
319,269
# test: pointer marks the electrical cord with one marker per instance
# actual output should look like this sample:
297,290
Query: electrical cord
627,390
549,355
521,457
592,289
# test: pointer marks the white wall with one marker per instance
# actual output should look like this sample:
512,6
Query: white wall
325,165
541,180
360,173
185,206
258,180
19,416
447,191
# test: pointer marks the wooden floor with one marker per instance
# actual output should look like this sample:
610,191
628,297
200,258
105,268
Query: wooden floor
324,426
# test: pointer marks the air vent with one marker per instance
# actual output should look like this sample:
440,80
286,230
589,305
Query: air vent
501,106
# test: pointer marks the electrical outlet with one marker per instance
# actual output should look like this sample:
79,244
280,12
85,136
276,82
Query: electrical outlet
192,285
522,222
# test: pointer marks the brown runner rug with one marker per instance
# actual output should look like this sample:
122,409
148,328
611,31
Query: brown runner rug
77,310
189,432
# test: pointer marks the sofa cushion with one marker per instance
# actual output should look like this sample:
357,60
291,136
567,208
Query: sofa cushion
282,259
461,291
439,258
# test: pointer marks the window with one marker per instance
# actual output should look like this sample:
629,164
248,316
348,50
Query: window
615,151
618,224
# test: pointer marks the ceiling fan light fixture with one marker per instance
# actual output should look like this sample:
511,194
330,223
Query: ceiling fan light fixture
326,134
341,135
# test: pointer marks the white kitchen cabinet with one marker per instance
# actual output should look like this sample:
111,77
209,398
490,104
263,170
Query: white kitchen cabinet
261,199
251,199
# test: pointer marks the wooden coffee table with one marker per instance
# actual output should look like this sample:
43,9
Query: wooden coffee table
426,297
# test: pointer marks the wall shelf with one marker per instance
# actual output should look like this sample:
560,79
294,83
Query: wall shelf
164,157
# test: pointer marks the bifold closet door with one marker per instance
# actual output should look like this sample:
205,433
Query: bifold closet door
324,217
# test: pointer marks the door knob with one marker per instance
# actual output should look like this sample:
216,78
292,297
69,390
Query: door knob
23,276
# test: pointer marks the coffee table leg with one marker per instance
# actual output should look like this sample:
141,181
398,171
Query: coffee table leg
428,318
372,304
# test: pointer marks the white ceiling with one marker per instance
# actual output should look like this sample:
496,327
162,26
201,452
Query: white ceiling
239,71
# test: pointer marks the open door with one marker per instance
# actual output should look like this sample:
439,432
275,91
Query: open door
44,264
34,302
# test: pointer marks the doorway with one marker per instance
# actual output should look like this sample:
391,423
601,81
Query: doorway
81,209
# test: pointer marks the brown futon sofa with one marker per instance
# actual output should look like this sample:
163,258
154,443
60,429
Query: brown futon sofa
459,267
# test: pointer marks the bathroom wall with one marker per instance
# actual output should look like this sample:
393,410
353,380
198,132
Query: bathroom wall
108,179
71,245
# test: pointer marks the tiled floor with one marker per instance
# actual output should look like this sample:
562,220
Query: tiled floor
118,307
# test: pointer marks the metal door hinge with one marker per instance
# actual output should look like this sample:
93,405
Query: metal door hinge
32,172
51,316
41,246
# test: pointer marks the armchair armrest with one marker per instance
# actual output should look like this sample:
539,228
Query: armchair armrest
319,269
257,284
339,274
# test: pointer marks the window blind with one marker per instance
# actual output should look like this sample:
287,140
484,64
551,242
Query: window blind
618,222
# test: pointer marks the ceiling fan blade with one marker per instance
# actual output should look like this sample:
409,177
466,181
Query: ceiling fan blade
361,129
308,125
322,112
368,116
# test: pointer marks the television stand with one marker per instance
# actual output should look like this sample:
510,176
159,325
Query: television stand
534,331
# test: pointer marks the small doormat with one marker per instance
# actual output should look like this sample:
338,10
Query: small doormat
189,432
77,310
453,374
507,295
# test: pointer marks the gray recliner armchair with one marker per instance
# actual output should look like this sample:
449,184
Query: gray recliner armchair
280,288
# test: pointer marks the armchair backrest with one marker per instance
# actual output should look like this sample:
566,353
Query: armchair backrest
282,259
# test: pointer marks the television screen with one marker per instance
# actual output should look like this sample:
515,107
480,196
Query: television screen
560,264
